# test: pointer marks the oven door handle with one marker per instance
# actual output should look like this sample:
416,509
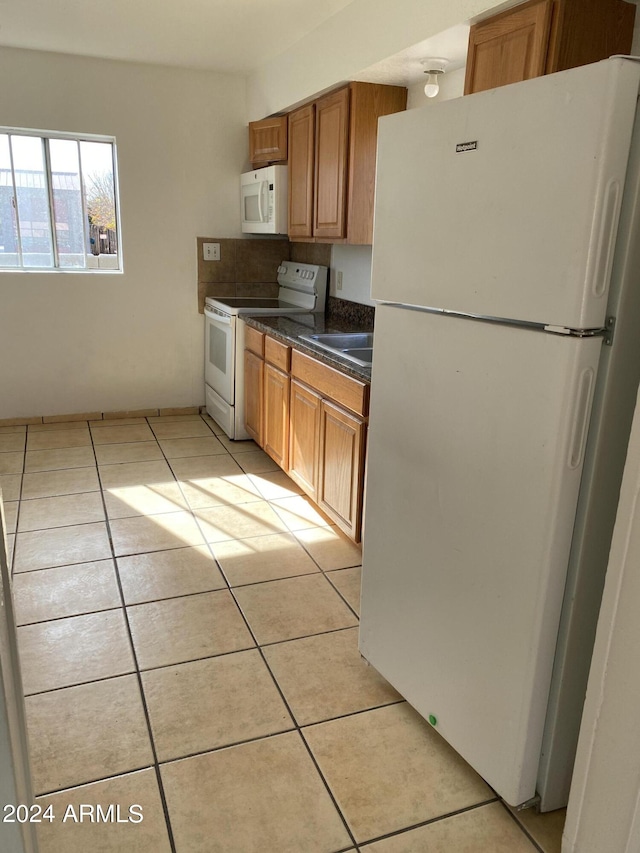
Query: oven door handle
217,316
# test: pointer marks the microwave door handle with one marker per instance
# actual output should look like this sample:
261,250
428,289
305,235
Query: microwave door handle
260,213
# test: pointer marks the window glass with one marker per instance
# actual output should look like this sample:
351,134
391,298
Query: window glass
68,213
32,197
9,248
58,202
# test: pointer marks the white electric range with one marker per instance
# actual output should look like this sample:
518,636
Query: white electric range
302,289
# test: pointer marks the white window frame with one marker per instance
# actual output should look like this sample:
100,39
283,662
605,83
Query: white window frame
45,136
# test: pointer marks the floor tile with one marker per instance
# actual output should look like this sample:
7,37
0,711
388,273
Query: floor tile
61,511
65,591
53,460
118,476
180,429
272,799
262,558
10,486
487,828
348,583
234,446
324,677
219,491
275,484
188,628
61,546
294,607
69,747
545,828
256,462
10,515
121,434
11,463
72,481
204,467
299,513
59,438
168,574
74,650
55,425
199,706
215,427
150,499
330,548
133,451
12,441
111,422
222,523
154,533
147,836
11,541
388,769
175,448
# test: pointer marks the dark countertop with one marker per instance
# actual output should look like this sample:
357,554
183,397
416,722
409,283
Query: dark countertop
288,329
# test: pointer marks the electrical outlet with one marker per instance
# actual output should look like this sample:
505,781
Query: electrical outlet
338,280
211,251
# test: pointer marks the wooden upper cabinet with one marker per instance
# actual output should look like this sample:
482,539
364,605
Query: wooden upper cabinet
301,172
368,103
332,162
543,36
268,140
331,151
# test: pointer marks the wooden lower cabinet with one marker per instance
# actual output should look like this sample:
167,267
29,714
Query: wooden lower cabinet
304,437
253,394
341,468
276,415
319,442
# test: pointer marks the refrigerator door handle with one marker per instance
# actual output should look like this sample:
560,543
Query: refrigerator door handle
582,410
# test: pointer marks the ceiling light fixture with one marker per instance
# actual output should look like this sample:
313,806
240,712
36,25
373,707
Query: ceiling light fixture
433,68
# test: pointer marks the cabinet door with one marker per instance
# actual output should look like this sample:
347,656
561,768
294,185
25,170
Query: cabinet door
253,395
341,470
301,150
369,101
332,131
268,140
509,47
276,415
304,437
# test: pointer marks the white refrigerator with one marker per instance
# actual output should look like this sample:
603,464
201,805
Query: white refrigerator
506,266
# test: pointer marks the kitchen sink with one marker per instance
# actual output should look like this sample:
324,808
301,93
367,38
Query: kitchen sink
355,346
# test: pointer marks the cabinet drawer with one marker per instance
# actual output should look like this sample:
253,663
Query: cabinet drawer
277,353
254,341
331,383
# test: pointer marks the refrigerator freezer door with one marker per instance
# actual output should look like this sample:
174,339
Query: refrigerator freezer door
475,455
506,203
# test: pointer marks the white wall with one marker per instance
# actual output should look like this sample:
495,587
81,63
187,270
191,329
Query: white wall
362,34
604,804
77,342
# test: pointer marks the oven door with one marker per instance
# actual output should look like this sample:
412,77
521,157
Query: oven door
219,353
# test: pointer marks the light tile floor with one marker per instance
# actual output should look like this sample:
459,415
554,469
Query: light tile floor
188,639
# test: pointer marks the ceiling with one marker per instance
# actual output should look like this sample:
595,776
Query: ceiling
232,36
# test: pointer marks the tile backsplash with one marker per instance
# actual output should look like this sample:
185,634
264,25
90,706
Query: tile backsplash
249,267
246,268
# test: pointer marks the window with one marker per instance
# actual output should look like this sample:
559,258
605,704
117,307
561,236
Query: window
58,202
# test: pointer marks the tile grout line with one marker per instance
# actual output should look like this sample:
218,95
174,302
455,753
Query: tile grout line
156,765
138,672
296,727
522,828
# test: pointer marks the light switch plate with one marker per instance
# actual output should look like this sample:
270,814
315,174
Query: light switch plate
211,251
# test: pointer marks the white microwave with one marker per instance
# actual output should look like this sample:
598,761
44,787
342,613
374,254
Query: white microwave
263,199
